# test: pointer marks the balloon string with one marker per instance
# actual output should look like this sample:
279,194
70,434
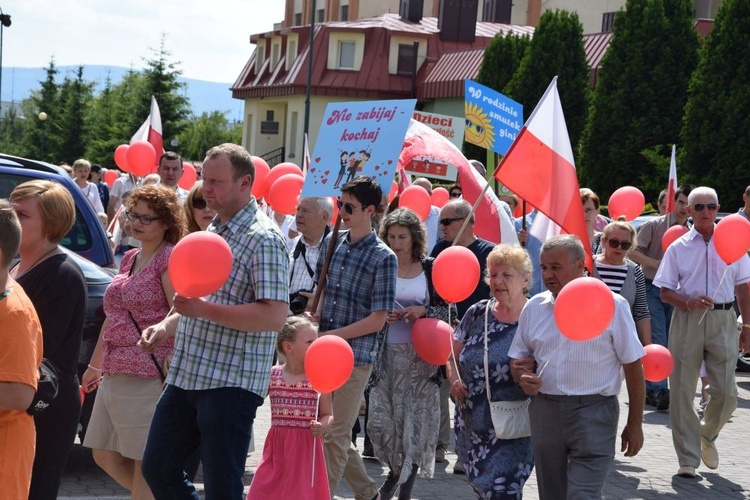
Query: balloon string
550,359
714,294
315,439
171,310
453,351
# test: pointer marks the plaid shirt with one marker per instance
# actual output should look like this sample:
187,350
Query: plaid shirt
210,356
361,280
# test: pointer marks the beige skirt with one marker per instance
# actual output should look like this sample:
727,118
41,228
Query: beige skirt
122,414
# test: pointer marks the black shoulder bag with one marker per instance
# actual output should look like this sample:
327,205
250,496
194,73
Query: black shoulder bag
46,389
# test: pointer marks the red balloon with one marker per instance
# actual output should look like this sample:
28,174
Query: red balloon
584,294
732,238
200,264
261,172
335,213
329,362
455,286
121,157
671,235
141,157
284,194
432,340
418,199
189,176
110,176
278,171
657,363
440,196
628,201
393,193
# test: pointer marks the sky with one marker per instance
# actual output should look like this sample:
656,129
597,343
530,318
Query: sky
210,39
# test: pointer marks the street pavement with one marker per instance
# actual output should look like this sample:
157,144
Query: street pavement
650,475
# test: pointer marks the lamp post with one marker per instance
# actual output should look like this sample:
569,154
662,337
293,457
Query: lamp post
4,23
42,118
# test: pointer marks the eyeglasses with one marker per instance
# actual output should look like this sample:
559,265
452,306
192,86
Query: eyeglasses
455,194
700,206
449,220
348,207
625,245
199,203
146,220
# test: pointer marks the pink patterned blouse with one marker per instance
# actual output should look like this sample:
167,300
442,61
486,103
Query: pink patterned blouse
291,405
144,297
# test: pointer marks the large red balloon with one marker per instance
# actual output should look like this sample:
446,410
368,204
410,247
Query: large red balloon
657,363
110,176
440,196
121,157
671,235
584,308
284,194
200,264
261,172
455,273
732,238
189,176
432,340
628,201
141,157
418,199
329,362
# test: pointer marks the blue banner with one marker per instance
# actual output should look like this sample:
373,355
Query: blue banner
493,120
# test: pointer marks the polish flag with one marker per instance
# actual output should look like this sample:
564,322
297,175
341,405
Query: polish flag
306,159
672,185
404,180
539,167
151,131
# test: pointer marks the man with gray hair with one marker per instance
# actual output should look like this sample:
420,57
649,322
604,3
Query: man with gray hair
313,218
702,288
574,412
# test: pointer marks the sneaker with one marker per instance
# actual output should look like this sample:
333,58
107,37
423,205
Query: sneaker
650,398
662,400
686,471
440,455
709,453
458,468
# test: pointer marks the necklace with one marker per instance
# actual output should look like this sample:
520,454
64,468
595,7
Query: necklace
38,261
407,274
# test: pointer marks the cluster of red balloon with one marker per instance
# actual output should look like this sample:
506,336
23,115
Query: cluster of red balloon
329,362
281,185
628,201
138,158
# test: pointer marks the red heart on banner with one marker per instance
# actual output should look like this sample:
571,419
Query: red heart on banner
327,172
377,167
390,162
317,160
324,181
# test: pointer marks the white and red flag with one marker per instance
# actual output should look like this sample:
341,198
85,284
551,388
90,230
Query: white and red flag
672,184
306,159
151,131
539,167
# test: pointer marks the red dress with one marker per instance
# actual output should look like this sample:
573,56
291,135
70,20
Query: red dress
285,470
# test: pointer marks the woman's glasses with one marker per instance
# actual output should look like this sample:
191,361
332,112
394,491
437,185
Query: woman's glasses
455,194
146,220
348,207
199,203
625,245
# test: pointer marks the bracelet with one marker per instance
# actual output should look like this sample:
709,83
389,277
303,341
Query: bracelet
745,325
95,368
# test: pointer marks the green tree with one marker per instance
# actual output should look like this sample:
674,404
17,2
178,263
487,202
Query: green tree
501,59
47,132
555,50
716,131
12,132
75,98
207,131
640,97
103,133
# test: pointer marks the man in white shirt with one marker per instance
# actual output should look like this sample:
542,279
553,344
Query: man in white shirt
431,223
312,219
578,391
170,172
697,282
124,184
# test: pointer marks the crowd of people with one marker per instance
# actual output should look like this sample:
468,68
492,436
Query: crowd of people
180,379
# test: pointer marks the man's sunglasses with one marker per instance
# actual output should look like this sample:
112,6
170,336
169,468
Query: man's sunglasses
449,220
455,194
625,245
700,206
199,203
348,207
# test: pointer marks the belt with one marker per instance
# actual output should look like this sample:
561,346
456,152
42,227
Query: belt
587,399
723,307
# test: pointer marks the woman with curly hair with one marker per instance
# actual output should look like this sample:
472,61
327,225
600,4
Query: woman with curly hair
130,381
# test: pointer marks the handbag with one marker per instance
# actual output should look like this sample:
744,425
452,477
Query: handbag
46,389
509,418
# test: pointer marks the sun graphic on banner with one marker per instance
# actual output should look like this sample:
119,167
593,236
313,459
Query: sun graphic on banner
479,129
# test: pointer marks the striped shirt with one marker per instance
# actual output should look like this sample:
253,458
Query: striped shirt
614,277
210,356
576,368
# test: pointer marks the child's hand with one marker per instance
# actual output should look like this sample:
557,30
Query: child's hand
317,428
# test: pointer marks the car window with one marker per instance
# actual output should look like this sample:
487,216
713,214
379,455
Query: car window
78,238
91,271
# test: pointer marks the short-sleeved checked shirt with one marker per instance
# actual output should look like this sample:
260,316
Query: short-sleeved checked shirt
209,356
361,280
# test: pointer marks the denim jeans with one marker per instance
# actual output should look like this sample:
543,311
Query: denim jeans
217,420
661,316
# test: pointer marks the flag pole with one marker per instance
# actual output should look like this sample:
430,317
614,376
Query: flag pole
326,263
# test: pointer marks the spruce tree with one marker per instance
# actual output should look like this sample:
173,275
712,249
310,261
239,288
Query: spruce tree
75,98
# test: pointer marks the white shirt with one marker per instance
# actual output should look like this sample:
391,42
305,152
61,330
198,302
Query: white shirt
576,368
182,194
299,277
91,192
124,184
432,228
692,267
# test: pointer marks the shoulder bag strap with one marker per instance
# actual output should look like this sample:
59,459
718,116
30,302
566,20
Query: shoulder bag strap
140,332
486,352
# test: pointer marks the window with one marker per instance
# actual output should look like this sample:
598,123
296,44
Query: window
293,135
298,19
406,60
321,15
291,52
344,13
608,20
275,53
346,55
260,55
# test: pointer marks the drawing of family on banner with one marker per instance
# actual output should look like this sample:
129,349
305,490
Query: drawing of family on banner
358,138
